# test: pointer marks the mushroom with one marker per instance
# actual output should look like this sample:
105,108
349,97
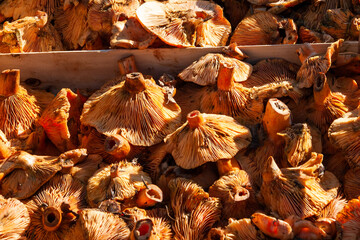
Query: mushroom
308,36
97,225
206,70
54,209
194,211
119,181
351,184
236,195
151,229
5,150
86,169
14,218
135,98
18,110
347,64
264,28
333,208
130,33
300,191
349,217
272,227
242,229
31,34
206,138
305,229
185,23
61,119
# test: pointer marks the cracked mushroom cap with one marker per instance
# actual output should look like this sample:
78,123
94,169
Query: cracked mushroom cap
185,23
94,224
22,174
14,218
136,108
18,110
206,70
264,28
300,191
119,181
53,210
61,120
207,138
194,211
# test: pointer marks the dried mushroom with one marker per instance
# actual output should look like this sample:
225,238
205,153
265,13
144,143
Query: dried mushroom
206,70
129,33
309,36
5,150
206,138
236,195
97,225
14,218
137,99
120,181
18,110
242,229
264,28
54,209
61,120
349,217
351,184
302,191
347,64
31,34
194,211
185,23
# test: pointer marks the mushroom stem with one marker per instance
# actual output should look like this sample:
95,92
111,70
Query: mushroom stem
305,52
117,146
227,165
270,170
4,151
135,82
142,230
9,82
225,76
240,194
127,65
276,119
321,89
51,218
195,119
149,196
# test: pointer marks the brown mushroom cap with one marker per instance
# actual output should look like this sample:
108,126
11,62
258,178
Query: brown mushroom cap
207,138
53,210
185,23
118,181
205,71
18,110
14,218
337,23
136,108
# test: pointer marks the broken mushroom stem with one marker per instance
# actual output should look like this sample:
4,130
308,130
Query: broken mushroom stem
227,165
225,76
135,82
51,218
270,170
117,146
240,194
43,18
276,119
142,229
195,119
321,89
305,52
9,82
149,196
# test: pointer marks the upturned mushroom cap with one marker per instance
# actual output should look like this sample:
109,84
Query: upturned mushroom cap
130,33
207,138
97,225
272,227
185,23
54,209
136,108
333,208
194,211
61,119
22,174
242,229
205,71
119,181
338,24
18,110
14,218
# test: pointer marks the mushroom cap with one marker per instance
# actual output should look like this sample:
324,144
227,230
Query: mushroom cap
333,208
155,116
185,23
118,181
54,208
242,229
14,218
349,217
272,227
337,22
217,137
351,184
205,70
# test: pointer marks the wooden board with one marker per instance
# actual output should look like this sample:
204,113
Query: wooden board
90,69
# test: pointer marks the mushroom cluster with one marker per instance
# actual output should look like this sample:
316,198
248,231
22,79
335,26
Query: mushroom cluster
225,150
55,25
